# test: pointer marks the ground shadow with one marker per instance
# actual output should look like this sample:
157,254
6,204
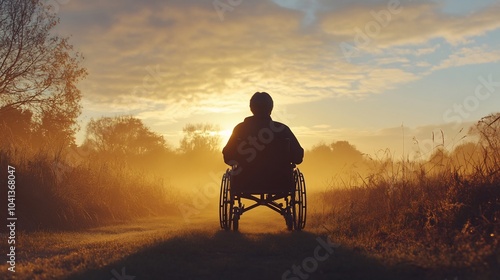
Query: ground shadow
230,255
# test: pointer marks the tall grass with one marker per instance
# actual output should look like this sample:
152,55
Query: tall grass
442,213
54,193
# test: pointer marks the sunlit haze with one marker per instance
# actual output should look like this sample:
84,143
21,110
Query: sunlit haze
128,148
379,74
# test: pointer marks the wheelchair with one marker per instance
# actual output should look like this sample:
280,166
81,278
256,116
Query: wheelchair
271,182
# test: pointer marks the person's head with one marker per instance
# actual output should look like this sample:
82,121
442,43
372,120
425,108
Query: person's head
261,104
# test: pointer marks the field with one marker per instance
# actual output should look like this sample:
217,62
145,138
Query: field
169,248
384,218
114,114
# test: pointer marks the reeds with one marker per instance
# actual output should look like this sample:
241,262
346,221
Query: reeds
443,212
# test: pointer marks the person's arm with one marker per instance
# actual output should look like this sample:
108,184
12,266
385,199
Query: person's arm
230,151
297,152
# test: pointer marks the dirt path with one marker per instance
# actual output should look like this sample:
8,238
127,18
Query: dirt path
170,248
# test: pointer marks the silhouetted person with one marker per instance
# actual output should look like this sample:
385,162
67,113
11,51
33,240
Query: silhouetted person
261,148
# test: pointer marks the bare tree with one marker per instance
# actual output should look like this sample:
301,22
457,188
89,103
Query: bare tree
38,70
488,129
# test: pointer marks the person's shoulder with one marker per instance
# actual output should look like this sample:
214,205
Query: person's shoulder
248,119
281,129
242,124
279,125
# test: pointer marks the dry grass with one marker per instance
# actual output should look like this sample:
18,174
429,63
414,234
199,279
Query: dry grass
433,216
60,195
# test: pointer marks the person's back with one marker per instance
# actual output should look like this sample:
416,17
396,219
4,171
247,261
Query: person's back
262,150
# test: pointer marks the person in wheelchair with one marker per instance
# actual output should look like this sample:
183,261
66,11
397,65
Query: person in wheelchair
261,151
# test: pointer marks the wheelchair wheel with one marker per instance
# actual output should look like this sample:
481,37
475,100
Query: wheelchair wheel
225,204
299,204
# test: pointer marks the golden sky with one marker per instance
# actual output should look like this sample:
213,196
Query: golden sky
375,73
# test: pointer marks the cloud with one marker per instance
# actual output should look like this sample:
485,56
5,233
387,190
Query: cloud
164,54
408,24
378,80
417,51
468,56
148,56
